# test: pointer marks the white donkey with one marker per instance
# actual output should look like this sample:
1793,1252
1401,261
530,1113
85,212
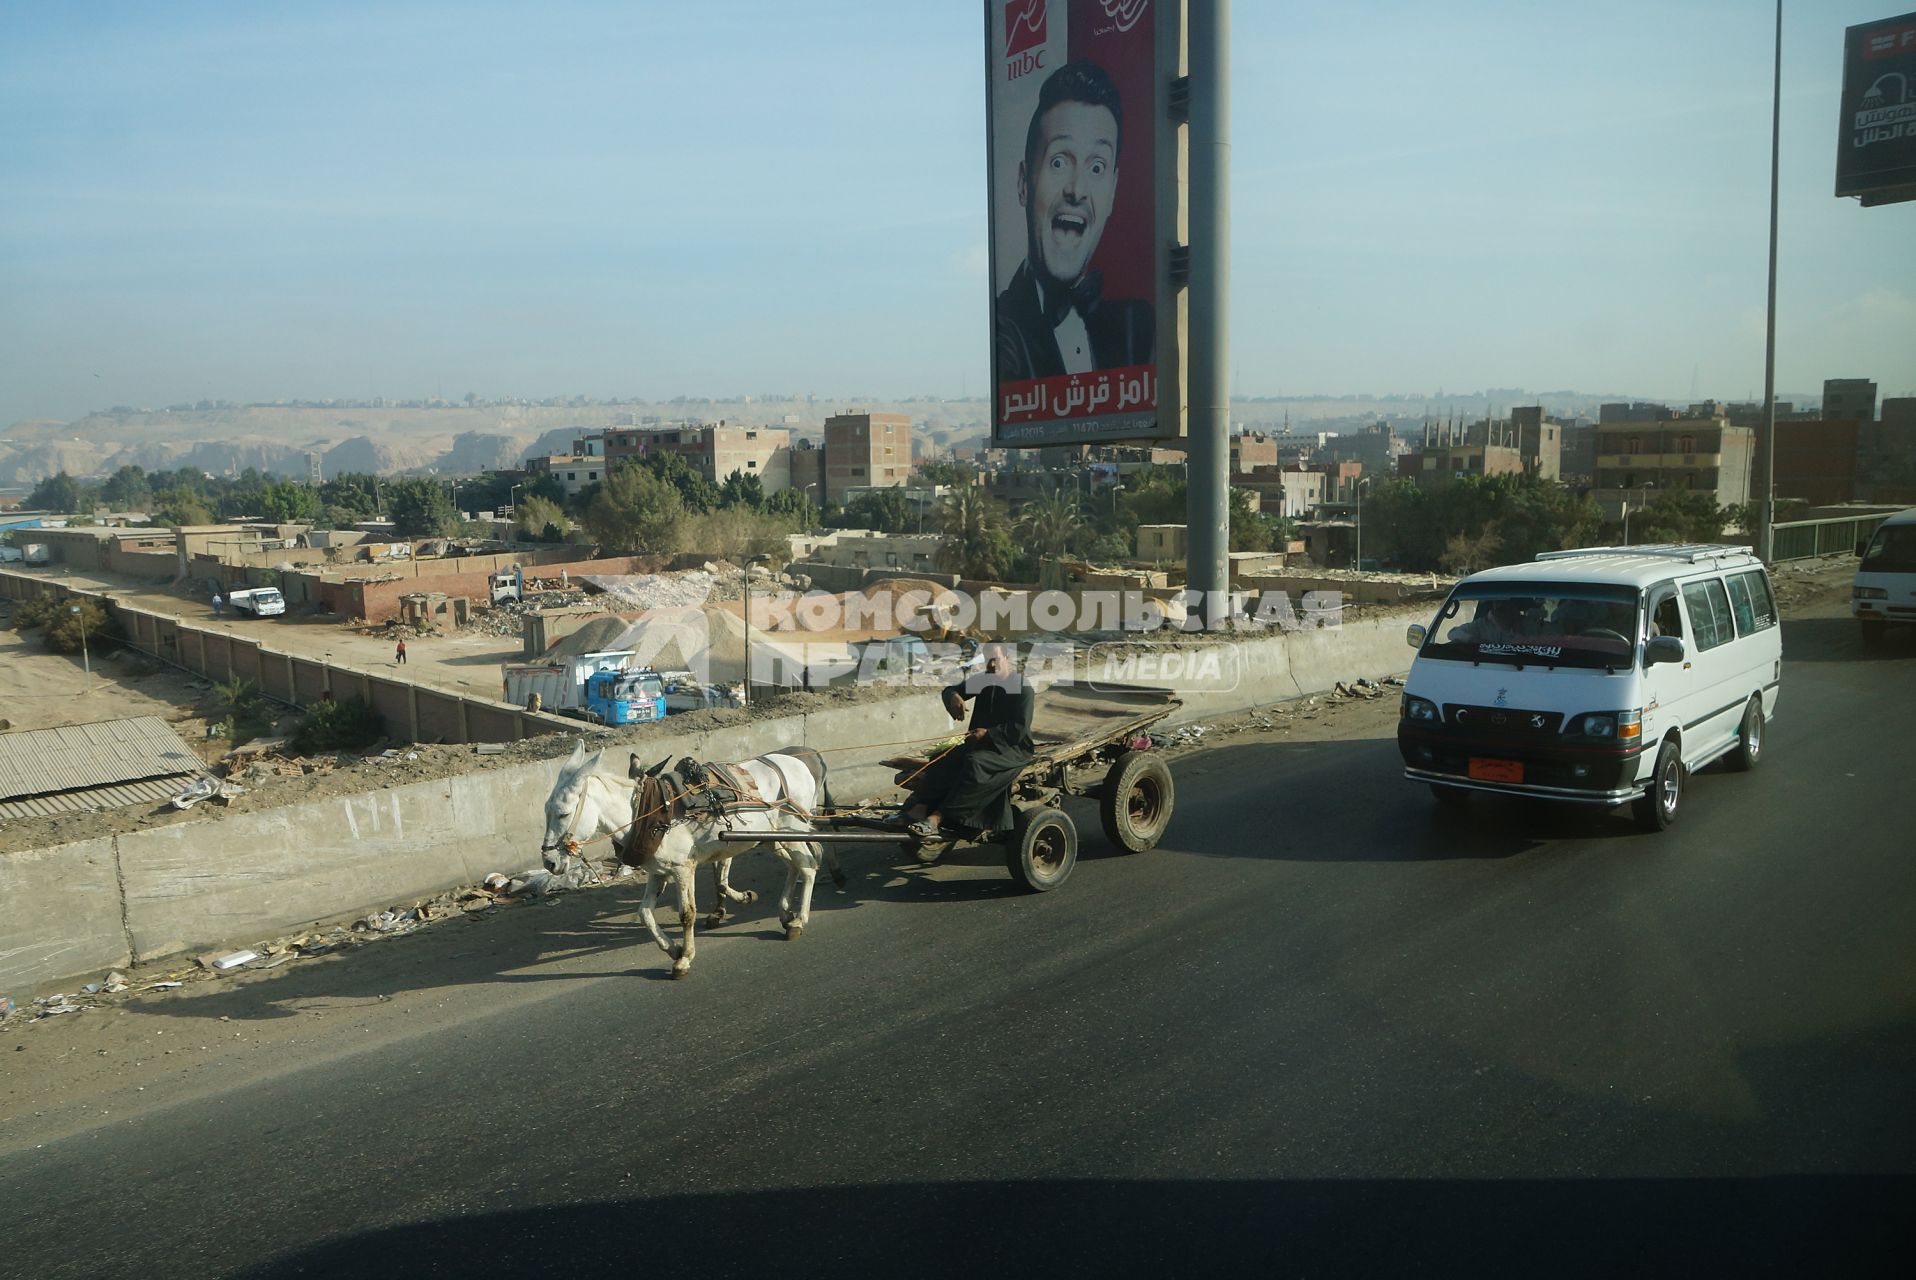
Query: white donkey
677,821
586,804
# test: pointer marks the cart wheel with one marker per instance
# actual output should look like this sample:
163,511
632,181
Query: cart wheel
1043,849
1135,802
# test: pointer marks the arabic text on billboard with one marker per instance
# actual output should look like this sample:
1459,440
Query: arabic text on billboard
1877,155
1075,242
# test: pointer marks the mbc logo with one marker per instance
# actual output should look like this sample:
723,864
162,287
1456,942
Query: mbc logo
1024,37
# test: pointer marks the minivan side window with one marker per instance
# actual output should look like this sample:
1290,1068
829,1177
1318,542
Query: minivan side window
1709,613
1665,620
1750,599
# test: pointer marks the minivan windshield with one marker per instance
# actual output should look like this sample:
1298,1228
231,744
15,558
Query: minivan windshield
1892,551
1526,624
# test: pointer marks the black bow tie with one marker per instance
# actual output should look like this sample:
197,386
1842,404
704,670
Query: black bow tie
1082,297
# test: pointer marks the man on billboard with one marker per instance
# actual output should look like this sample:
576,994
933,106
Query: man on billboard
1051,319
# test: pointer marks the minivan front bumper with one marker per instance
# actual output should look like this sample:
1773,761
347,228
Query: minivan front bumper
1589,774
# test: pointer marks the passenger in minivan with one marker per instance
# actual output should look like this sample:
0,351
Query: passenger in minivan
1503,621
1667,621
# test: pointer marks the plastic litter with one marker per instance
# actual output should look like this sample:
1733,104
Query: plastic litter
164,986
206,787
115,982
6,1007
234,960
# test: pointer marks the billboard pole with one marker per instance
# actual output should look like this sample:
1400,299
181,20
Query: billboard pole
1766,436
1208,512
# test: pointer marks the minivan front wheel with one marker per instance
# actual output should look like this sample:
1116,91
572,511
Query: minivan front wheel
1656,809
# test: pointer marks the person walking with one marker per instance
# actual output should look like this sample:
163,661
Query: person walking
219,602
399,653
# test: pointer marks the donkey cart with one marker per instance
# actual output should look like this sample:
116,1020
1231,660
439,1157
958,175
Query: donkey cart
1088,742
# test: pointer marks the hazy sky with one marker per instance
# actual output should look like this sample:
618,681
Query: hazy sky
652,199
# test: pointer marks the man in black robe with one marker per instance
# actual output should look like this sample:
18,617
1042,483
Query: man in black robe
970,785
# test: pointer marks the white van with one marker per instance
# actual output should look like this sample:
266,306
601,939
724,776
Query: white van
1599,676
1885,589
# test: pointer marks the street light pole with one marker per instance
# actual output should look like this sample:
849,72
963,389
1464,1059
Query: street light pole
1358,489
86,659
745,697
1766,438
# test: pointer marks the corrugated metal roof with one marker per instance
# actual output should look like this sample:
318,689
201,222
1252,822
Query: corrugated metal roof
38,762
152,792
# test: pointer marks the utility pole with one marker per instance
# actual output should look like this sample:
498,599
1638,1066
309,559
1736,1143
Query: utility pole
1208,443
1765,478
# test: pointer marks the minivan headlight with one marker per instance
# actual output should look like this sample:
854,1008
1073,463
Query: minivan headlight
1623,725
1872,593
1418,709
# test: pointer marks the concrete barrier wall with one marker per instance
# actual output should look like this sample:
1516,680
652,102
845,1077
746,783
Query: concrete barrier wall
412,711
238,877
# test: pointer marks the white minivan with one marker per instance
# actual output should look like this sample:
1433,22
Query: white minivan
1885,589
1599,676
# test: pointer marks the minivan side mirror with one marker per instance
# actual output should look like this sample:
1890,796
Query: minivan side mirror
1662,649
1414,635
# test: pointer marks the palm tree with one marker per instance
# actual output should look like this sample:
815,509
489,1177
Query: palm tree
1050,524
975,544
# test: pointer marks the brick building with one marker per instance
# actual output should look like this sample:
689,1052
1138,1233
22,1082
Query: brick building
1818,460
866,450
715,451
1637,459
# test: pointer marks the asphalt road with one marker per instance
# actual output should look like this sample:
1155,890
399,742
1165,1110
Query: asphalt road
1322,1030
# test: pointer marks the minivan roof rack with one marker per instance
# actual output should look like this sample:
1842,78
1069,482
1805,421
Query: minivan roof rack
1688,552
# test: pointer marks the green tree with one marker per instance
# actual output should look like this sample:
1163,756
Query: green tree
793,506
126,490
420,508
71,620
882,509
541,520
289,502
353,493
181,506
1049,525
947,473
635,510
60,493
974,543
740,489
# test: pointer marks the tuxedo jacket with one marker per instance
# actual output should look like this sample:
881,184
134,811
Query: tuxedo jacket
1121,331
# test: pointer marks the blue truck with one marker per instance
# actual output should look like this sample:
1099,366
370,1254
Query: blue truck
625,696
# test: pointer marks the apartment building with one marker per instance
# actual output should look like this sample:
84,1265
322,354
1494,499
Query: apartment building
865,450
714,450
1636,460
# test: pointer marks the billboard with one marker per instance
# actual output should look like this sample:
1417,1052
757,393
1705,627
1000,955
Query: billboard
1876,155
1084,210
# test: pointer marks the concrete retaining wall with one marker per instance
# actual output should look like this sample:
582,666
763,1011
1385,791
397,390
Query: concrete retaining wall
237,877
412,712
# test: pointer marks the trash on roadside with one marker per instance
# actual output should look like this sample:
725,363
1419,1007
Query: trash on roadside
489,749
532,884
115,982
234,960
6,1007
207,787
164,986
497,883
